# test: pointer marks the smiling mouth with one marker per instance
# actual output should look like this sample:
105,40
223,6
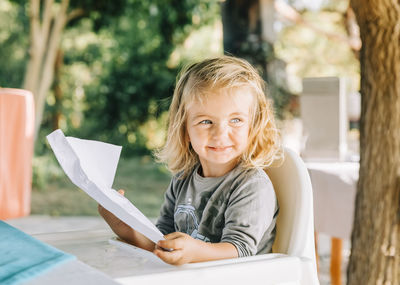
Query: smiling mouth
219,149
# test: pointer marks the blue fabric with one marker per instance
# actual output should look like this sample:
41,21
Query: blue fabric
23,257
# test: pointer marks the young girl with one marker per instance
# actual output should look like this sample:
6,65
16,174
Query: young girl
220,203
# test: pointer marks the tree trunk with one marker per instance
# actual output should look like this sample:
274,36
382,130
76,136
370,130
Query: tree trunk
236,24
242,32
375,254
45,37
58,93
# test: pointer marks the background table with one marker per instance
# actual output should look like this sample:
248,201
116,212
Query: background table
334,190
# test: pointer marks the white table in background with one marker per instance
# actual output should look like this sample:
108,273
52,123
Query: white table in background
334,187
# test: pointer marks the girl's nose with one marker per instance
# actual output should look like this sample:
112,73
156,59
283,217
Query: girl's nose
219,130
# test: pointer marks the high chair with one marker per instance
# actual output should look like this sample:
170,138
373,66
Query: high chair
295,222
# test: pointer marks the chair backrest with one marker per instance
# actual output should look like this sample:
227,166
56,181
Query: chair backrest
295,222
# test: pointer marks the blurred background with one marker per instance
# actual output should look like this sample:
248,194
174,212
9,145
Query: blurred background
106,71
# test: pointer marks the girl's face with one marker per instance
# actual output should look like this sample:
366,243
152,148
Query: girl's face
218,129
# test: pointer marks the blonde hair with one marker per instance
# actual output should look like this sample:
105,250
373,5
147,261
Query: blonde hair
194,82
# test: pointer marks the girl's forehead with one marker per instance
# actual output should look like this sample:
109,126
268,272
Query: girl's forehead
231,94
221,102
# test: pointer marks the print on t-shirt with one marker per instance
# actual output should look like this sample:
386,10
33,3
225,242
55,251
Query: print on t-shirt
185,217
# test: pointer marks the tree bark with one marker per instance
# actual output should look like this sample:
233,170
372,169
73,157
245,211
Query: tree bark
375,254
36,50
47,77
45,38
58,93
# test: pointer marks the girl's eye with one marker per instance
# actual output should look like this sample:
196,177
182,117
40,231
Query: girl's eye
206,122
236,120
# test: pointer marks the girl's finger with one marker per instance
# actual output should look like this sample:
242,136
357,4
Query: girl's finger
168,257
122,192
173,235
168,244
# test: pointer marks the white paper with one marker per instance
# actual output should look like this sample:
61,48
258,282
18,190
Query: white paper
91,165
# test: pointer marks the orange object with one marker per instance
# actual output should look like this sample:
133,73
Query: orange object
336,261
16,151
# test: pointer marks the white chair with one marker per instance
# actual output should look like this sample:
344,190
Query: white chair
295,222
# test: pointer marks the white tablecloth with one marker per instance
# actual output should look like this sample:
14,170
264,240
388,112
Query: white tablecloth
334,187
104,263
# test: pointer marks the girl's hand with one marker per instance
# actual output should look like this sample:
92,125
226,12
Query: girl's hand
184,248
119,227
124,231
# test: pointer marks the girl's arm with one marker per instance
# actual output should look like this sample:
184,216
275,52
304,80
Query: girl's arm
124,231
187,249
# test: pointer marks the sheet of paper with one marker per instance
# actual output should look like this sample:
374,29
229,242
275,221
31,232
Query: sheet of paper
91,165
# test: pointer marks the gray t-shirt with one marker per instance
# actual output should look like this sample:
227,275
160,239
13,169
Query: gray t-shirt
239,207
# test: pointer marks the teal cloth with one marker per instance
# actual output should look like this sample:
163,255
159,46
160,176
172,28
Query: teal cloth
23,257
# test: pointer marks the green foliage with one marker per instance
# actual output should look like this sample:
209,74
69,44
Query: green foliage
116,80
261,54
143,180
113,8
312,54
100,12
281,98
14,32
45,170
13,44
138,82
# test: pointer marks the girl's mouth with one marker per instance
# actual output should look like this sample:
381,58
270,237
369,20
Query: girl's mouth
219,148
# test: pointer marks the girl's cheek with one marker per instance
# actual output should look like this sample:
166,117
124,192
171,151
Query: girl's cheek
242,131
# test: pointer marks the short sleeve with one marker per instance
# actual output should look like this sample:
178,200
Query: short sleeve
249,215
165,222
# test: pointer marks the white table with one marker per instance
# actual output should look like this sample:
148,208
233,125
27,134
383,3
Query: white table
334,186
99,262
334,190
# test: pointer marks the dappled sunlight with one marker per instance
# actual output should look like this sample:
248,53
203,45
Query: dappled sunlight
106,70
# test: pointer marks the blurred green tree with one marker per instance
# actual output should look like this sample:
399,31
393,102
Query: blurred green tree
13,44
139,79
127,46
47,21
